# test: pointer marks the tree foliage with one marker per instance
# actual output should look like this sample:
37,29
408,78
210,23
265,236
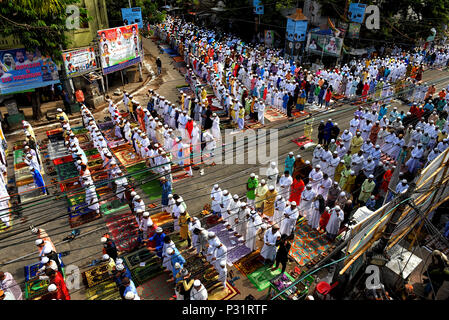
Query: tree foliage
38,23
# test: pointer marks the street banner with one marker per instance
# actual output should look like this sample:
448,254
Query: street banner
269,38
119,48
300,30
24,69
132,15
324,44
290,29
353,31
78,62
356,12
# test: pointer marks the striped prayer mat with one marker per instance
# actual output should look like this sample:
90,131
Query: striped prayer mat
236,248
221,293
308,244
123,230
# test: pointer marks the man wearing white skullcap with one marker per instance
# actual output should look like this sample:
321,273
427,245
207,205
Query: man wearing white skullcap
288,223
198,291
261,191
271,236
272,174
215,196
131,296
367,188
333,226
222,273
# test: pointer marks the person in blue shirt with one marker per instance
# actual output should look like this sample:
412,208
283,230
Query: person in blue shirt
176,260
121,272
371,203
38,180
327,131
158,238
166,190
285,101
382,111
129,286
289,161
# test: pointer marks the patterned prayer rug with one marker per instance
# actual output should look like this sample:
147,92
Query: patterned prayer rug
178,59
104,291
236,248
161,218
261,278
221,293
301,141
249,263
156,288
273,115
123,230
308,244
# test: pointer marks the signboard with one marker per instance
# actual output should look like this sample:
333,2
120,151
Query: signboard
353,31
78,62
132,16
119,48
300,30
22,69
290,29
258,7
269,38
324,44
356,12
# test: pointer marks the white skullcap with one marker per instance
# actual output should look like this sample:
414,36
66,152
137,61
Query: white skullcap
129,295
223,263
215,186
242,204
371,176
177,265
59,110
318,166
211,234
170,250
44,260
38,242
105,257
119,267
271,188
273,163
293,203
342,194
263,181
252,175
290,153
52,288
337,208
159,230
146,214
235,196
404,181
103,239
225,191
133,193
139,211
197,283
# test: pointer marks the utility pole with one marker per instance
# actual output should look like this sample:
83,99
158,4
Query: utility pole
394,219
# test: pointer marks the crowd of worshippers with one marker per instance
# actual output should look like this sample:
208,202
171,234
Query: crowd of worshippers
247,79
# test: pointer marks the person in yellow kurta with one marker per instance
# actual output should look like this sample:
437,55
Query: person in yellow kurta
270,198
261,191
184,228
182,101
356,143
204,97
62,114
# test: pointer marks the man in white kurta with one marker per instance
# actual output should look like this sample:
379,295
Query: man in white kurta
285,183
270,237
291,214
305,206
253,224
333,226
224,205
315,177
198,291
222,273
91,197
8,284
215,196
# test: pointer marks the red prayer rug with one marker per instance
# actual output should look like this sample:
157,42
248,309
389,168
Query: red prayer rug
123,230
301,141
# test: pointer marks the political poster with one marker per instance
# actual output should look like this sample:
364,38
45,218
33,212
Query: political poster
324,44
353,31
119,48
269,38
79,61
132,16
356,12
24,69
290,29
300,30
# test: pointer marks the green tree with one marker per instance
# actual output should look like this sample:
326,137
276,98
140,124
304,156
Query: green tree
38,23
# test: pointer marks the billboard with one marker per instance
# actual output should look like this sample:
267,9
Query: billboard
80,61
324,44
24,69
290,30
132,16
300,30
119,48
353,31
356,12
269,38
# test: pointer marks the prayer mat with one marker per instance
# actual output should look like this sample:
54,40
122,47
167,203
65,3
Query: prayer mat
112,205
298,114
36,288
307,244
221,293
3,227
123,230
273,115
62,160
178,59
83,218
106,290
96,275
79,130
106,125
251,124
302,141
171,52
156,288
142,274
31,269
236,248
126,155
152,189
180,175
134,259
261,278
161,218
249,263
211,221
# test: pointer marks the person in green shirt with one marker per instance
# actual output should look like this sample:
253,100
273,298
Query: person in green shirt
251,186
366,189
